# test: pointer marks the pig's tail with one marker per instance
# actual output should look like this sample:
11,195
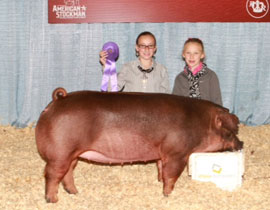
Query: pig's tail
59,93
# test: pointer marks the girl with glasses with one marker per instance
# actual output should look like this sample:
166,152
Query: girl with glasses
143,74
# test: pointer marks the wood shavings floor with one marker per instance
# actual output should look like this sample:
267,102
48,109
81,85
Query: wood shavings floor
131,186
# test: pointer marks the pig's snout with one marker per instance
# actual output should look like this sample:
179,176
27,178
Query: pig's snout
233,145
239,145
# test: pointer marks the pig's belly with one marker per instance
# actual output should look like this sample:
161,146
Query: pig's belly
126,146
100,158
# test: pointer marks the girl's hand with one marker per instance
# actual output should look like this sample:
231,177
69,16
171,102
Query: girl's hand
102,57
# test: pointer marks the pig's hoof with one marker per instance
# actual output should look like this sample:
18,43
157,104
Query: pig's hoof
166,195
160,179
71,191
51,199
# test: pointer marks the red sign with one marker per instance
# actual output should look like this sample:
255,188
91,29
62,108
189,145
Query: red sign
157,11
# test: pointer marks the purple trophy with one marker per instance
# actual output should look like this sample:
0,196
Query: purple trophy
110,67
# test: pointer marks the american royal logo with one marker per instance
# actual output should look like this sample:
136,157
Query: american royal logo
70,9
257,8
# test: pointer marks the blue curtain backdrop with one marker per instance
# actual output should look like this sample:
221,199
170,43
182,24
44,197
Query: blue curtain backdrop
36,57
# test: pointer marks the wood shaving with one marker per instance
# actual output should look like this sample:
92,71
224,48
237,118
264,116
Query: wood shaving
22,184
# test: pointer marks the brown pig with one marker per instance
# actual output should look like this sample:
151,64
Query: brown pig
118,128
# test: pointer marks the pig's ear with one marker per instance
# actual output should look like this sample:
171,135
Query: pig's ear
228,121
59,93
218,122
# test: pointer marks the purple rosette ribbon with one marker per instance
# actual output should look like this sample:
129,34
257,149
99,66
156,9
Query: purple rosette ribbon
110,67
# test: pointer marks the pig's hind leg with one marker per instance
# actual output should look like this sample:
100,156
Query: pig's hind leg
68,180
54,173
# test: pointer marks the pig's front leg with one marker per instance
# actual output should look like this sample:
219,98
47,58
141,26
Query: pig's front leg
159,167
171,170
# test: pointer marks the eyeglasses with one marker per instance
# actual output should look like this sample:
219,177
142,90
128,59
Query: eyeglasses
150,47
